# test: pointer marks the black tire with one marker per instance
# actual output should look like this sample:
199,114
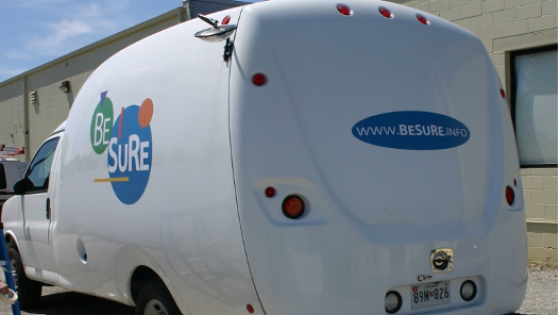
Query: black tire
154,298
28,291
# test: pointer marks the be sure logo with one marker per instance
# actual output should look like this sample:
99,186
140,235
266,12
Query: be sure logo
128,143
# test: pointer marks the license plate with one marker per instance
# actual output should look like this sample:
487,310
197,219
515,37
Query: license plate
430,294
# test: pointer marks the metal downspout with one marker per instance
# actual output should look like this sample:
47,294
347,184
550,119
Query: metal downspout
26,119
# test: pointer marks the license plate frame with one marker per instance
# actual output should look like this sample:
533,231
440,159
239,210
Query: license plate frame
430,294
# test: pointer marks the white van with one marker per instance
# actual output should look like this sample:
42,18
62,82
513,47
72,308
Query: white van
287,157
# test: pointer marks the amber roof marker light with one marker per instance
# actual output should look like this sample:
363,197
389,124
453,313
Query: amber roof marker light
422,19
344,9
259,79
385,12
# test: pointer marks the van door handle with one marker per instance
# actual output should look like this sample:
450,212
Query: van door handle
48,208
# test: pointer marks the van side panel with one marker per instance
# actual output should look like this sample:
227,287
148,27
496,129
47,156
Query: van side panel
161,193
434,177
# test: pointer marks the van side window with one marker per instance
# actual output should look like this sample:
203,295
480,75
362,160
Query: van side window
2,177
39,169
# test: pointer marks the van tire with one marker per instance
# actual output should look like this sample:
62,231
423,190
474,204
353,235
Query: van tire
155,299
28,291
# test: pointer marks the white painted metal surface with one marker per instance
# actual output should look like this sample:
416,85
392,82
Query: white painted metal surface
374,212
168,151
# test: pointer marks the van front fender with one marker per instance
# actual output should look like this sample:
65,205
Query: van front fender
11,239
10,221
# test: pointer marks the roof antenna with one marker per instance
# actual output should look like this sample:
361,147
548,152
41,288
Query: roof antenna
208,20
215,33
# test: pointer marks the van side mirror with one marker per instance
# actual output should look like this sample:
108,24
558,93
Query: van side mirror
24,185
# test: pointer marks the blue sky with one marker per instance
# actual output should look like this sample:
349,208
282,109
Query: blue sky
33,32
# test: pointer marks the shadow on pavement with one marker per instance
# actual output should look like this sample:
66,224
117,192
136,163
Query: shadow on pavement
71,303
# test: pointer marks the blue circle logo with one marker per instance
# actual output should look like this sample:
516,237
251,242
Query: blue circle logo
129,160
128,143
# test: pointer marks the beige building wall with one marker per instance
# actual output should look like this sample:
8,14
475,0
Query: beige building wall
11,115
540,186
505,26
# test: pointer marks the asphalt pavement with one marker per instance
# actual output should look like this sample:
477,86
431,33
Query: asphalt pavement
541,299
542,292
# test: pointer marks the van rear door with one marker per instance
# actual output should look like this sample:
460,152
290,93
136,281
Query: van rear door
388,128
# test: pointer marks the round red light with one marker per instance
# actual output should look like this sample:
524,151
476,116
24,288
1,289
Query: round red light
250,308
422,19
270,192
293,207
386,13
510,195
259,79
226,20
503,93
344,10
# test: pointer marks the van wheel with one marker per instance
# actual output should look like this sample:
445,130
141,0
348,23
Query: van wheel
28,291
154,299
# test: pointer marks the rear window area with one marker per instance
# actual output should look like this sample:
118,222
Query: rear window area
2,177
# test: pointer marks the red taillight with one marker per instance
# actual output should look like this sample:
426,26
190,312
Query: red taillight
293,207
250,308
226,20
270,192
344,10
422,19
385,12
259,79
503,93
515,182
510,195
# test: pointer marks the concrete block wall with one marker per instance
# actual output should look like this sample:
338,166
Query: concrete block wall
540,189
505,26
11,116
501,25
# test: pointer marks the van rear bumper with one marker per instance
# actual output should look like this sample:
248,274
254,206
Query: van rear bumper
329,268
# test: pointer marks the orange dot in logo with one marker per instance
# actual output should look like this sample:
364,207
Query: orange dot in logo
146,112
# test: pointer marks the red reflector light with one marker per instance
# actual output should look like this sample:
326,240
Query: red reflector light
293,207
515,182
259,79
510,195
422,19
344,10
270,192
503,93
250,308
226,20
386,13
